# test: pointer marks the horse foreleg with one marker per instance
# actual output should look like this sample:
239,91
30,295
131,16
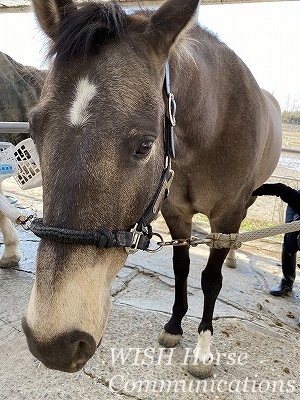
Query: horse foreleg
11,255
201,363
172,331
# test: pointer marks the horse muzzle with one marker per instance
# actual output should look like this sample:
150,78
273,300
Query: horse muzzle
67,352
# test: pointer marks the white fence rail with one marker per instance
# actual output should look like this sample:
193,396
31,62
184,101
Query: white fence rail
14,127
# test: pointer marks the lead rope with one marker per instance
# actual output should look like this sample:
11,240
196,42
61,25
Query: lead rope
233,240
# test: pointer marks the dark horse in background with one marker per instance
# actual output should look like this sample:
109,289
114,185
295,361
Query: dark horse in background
99,133
20,88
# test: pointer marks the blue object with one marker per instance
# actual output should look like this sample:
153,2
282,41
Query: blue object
11,199
6,169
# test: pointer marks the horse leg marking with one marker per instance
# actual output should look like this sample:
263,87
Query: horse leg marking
201,363
211,282
202,350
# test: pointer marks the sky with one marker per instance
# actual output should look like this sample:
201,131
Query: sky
264,35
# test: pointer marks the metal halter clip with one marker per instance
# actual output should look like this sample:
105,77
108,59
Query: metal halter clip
159,247
25,221
172,109
136,235
175,242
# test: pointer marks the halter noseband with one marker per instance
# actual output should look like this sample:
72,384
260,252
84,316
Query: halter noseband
138,238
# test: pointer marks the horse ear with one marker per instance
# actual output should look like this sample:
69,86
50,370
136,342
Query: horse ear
169,20
50,12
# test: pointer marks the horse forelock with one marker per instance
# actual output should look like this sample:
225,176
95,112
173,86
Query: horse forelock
83,30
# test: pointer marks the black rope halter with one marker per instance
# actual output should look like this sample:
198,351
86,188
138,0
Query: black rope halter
137,238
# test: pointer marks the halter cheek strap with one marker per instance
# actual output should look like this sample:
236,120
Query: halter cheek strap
138,238
170,120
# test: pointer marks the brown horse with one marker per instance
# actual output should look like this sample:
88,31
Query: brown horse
99,133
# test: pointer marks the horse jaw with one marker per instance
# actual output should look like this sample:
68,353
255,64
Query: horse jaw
68,310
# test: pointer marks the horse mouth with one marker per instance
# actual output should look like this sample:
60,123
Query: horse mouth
68,352
74,367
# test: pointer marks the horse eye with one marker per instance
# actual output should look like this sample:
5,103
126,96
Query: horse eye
144,148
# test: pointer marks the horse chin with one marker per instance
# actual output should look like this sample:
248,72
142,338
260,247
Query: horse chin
76,367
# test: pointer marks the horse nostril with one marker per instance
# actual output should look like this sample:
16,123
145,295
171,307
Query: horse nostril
83,349
82,352
69,352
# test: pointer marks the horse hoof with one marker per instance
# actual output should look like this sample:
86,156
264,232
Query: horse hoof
167,340
230,263
200,370
9,262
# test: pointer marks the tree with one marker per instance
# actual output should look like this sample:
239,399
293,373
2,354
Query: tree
291,117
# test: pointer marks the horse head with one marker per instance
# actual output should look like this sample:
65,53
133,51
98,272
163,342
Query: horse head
98,131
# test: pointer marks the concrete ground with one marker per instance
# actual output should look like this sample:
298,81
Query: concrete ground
255,347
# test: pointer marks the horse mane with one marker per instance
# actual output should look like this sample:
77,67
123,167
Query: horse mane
83,30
